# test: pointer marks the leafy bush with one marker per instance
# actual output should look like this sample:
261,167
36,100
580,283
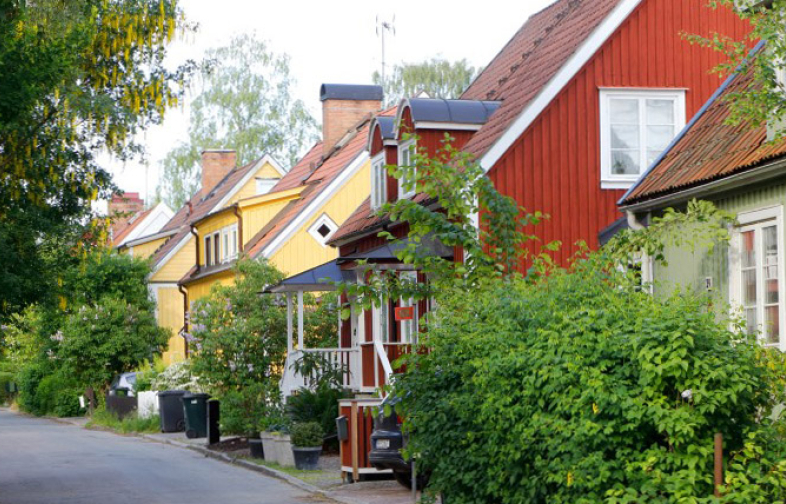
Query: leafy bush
128,425
581,388
319,405
6,379
306,434
177,376
147,373
242,411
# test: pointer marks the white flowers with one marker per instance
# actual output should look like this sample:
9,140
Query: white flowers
687,394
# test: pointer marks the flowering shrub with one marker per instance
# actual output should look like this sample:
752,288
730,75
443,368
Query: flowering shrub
176,376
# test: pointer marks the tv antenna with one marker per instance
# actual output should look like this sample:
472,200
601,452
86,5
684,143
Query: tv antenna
382,27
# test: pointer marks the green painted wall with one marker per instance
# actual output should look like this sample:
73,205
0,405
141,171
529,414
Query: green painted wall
689,269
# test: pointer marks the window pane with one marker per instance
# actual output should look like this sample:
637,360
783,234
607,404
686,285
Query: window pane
624,137
748,249
771,291
750,321
772,328
749,287
652,155
625,163
624,111
770,253
658,137
660,112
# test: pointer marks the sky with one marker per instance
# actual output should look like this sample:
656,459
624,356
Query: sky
329,42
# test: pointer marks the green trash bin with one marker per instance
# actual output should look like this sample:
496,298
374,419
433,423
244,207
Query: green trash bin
195,409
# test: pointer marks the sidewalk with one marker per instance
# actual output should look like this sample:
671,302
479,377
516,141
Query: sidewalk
326,481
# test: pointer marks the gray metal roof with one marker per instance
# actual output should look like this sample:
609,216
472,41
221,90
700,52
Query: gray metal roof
350,92
452,111
386,127
318,279
429,246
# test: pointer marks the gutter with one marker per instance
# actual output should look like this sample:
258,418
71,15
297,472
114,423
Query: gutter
766,172
185,316
196,238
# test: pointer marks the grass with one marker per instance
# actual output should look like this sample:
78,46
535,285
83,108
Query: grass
131,424
307,476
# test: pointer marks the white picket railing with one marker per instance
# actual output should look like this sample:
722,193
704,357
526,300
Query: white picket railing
345,359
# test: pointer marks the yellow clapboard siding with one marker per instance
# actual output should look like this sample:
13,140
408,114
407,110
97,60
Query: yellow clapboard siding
302,251
211,225
258,216
178,265
170,317
250,188
147,249
201,288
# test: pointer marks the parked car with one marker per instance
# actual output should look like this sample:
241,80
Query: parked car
123,385
387,440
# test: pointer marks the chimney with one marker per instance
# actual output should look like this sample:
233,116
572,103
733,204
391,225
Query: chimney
216,163
343,106
122,207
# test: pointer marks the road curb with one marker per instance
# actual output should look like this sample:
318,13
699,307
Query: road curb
268,471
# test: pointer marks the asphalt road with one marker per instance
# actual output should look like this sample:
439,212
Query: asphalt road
46,462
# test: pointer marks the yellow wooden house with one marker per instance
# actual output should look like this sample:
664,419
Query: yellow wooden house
172,250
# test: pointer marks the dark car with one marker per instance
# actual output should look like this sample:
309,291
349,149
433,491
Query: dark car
387,440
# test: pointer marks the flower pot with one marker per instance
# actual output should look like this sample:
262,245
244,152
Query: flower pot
284,451
306,459
268,446
257,449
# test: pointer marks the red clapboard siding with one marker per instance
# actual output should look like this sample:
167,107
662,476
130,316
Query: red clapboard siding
554,167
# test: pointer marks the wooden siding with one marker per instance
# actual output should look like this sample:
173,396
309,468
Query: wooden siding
554,167
178,265
249,189
147,249
258,216
201,288
170,317
214,225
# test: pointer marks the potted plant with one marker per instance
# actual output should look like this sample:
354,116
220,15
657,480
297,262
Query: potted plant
257,446
306,440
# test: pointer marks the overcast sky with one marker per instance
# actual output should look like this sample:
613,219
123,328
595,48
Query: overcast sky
331,41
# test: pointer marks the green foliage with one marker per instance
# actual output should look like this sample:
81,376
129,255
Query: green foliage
319,405
246,104
579,387
112,337
6,378
176,376
76,79
46,390
761,103
438,77
131,424
147,373
306,435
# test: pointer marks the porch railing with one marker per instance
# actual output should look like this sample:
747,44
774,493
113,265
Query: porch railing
344,360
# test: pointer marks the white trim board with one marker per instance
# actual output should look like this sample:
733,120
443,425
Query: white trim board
170,254
246,178
569,70
348,172
145,227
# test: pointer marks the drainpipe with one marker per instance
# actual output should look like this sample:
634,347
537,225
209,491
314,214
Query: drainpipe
185,315
647,275
239,216
196,238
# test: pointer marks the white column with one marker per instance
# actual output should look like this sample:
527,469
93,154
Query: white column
300,320
290,343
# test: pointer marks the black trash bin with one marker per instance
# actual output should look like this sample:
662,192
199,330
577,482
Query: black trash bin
195,407
170,410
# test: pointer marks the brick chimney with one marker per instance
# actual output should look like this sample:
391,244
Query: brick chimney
122,207
216,163
343,106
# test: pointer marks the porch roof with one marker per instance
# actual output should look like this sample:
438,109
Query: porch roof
320,278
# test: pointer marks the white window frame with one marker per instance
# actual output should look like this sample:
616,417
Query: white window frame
616,181
327,221
229,245
379,181
757,220
208,249
409,328
264,185
409,148
379,315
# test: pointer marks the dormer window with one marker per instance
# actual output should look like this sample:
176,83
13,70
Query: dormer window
406,158
379,181
635,127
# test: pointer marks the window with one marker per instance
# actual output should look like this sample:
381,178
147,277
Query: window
264,185
409,328
379,181
229,243
216,248
635,127
380,321
757,267
406,185
208,251
322,229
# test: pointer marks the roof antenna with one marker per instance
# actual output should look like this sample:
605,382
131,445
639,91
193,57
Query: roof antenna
382,27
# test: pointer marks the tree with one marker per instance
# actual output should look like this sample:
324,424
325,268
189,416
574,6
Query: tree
437,77
246,105
76,78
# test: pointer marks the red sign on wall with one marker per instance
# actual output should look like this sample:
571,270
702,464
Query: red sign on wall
405,313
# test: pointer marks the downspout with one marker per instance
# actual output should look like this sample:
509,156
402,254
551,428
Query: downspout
185,316
647,275
196,238
239,216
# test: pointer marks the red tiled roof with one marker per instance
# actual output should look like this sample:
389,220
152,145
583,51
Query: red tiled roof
528,62
199,208
319,179
134,222
295,177
709,149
